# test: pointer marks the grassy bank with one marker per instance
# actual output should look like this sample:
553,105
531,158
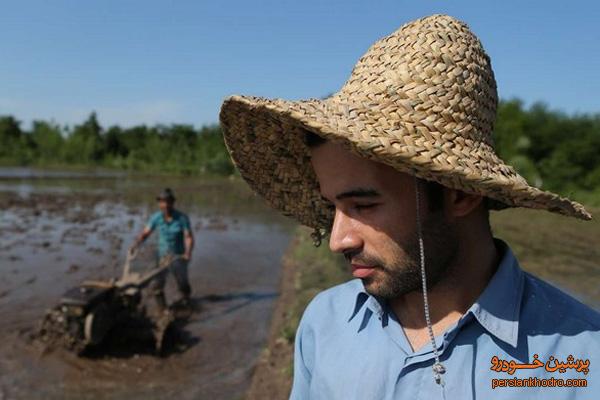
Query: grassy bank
561,250
316,269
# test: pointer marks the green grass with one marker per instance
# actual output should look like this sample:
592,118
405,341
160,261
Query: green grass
316,269
561,250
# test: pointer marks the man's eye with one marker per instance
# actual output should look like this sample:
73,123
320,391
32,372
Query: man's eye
364,206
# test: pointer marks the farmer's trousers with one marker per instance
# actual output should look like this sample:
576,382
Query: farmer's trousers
179,269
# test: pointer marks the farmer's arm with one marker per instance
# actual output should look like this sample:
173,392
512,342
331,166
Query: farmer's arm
188,240
148,229
141,237
189,244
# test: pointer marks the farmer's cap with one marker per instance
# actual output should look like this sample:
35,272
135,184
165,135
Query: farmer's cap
166,194
422,100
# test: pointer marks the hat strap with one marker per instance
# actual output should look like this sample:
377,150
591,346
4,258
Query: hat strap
438,367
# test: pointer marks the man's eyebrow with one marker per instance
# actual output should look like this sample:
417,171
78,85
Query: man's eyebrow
358,192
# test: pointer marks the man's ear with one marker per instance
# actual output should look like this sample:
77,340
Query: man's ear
459,204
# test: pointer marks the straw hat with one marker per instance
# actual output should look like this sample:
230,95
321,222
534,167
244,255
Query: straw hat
422,100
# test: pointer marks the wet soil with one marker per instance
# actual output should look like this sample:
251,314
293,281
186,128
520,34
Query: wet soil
56,233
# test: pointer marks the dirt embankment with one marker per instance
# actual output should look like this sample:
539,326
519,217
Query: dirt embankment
306,271
272,377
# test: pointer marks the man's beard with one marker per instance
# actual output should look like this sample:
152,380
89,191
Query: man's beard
402,274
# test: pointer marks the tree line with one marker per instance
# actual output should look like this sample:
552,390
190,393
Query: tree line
551,149
178,149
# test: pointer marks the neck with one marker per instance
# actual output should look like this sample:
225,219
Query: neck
474,264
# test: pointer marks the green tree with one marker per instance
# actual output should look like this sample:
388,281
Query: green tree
48,141
85,145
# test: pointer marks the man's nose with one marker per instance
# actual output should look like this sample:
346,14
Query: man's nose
344,236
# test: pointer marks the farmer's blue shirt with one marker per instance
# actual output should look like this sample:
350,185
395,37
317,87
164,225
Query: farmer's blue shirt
170,233
350,345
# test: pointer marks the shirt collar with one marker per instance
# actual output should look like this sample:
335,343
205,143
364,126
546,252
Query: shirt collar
497,309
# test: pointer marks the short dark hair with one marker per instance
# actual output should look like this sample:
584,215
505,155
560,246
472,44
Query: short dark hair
313,140
435,196
434,192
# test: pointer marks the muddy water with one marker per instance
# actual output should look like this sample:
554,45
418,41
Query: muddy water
56,231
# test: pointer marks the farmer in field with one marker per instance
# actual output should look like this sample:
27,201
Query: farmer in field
398,168
175,239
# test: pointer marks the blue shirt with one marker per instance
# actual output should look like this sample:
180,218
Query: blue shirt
170,233
349,345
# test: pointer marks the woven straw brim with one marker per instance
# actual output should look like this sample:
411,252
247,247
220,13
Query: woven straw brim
265,139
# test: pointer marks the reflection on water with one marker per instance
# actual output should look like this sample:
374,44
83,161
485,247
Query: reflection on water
34,173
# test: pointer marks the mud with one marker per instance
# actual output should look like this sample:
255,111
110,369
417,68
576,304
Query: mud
56,232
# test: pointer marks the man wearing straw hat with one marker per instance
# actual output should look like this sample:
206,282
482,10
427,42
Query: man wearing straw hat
399,169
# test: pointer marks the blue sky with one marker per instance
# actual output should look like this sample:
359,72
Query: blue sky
162,62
